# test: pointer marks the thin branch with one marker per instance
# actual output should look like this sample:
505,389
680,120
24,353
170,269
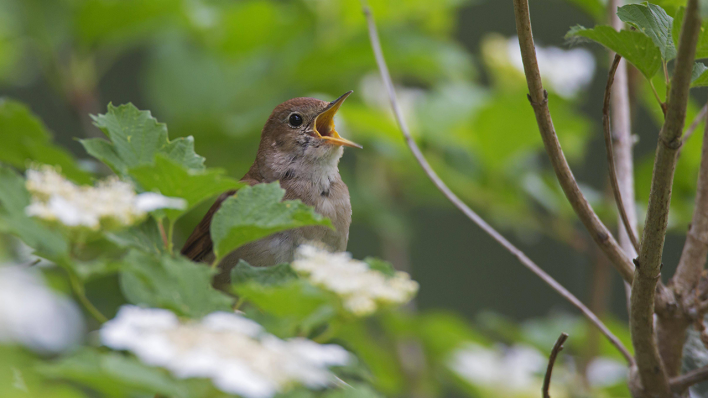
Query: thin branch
694,125
680,384
527,262
557,348
616,191
539,99
80,293
652,371
695,250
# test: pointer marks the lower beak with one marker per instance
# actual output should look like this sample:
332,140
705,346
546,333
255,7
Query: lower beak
324,124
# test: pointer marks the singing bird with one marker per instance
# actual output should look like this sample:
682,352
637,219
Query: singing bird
300,148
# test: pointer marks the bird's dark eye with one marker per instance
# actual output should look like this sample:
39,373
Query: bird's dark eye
295,120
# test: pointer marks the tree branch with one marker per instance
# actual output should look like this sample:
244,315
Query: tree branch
651,368
420,158
680,384
557,348
616,190
694,125
539,100
695,250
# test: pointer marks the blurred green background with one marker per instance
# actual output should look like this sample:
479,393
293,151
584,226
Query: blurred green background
214,69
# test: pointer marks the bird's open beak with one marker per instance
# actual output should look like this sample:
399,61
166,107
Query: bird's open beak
324,124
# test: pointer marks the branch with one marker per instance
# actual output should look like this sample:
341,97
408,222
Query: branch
616,191
558,347
539,100
695,250
388,84
694,125
652,372
680,384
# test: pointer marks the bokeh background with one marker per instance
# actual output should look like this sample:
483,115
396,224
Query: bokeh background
214,69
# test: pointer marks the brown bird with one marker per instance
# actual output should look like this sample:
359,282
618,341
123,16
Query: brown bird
300,148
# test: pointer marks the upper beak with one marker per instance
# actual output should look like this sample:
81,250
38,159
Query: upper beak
324,124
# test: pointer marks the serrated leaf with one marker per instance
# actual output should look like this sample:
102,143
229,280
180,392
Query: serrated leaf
113,374
634,46
173,283
145,237
256,212
172,179
654,22
294,299
273,275
702,46
25,139
135,138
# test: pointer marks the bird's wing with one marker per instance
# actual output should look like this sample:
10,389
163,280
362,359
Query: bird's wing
199,245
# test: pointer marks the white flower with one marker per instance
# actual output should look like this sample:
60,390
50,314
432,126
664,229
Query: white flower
112,202
605,372
516,369
233,351
565,71
33,315
361,288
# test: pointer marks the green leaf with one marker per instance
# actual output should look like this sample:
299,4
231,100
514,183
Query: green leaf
14,198
273,275
172,179
145,237
113,374
634,46
698,76
135,138
295,298
256,212
654,22
176,284
702,46
25,139
382,266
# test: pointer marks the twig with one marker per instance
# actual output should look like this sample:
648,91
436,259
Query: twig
694,125
558,347
165,240
610,154
695,250
539,100
679,384
79,291
652,370
420,158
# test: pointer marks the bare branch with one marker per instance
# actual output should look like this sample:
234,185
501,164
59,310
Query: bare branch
695,250
616,191
557,348
651,368
694,125
539,99
420,158
680,384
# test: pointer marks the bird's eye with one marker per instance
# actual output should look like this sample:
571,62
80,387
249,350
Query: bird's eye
295,120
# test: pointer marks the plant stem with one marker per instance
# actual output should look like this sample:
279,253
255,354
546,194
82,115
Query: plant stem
557,348
79,291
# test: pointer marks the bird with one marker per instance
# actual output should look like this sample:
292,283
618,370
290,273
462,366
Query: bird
301,149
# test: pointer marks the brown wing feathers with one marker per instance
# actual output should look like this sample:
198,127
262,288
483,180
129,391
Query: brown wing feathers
199,244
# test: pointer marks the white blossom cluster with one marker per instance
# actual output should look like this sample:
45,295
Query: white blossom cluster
361,288
565,71
33,315
111,203
233,351
517,370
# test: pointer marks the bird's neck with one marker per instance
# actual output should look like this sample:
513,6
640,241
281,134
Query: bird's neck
319,172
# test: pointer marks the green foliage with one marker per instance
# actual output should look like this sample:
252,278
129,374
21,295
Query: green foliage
173,283
635,47
273,275
256,212
25,138
654,22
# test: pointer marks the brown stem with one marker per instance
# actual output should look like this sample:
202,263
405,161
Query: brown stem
694,125
652,372
680,384
474,217
557,348
616,190
539,100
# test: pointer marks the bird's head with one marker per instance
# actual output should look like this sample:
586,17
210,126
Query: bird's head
301,133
